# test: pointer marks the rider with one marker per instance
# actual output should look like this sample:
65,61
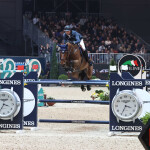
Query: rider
75,38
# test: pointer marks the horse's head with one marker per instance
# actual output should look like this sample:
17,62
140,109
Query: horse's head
67,53
63,49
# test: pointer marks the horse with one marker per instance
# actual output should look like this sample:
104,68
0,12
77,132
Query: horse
72,60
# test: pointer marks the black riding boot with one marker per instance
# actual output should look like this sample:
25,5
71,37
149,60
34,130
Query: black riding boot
87,58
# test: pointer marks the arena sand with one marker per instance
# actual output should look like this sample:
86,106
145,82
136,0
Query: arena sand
69,136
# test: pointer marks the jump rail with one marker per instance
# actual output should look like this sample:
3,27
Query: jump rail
70,82
76,101
65,82
74,121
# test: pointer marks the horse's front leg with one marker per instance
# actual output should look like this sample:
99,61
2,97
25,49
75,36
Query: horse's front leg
81,77
88,87
83,88
76,75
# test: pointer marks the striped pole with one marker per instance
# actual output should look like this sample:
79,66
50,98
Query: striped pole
74,121
76,101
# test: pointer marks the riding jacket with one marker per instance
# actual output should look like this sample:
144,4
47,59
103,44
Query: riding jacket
74,37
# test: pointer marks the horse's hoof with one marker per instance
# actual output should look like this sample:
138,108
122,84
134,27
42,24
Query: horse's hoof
89,89
84,89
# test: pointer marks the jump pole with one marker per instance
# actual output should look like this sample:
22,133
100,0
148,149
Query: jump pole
76,101
73,121
60,82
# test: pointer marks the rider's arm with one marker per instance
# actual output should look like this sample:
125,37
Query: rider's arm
77,35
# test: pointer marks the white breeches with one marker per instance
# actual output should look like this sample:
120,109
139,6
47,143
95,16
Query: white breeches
82,45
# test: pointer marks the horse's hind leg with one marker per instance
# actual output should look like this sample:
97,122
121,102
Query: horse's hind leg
89,76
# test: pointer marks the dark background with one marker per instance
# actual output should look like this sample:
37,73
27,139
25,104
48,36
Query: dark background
11,25
133,14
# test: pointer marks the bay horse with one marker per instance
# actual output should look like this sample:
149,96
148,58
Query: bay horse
73,60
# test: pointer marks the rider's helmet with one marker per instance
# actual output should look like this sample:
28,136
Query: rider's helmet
67,28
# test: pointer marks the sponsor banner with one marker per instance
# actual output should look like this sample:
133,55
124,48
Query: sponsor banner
127,83
11,88
132,64
20,62
33,65
30,101
121,83
127,128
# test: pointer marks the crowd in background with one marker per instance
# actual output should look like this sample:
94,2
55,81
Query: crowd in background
101,35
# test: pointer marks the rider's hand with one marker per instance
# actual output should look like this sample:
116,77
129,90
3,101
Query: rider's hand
73,42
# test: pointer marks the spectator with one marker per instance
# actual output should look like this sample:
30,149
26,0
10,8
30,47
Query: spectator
47,53
35,20
143,49
102,47
82,21
100,34
107,42
42,51
93,50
